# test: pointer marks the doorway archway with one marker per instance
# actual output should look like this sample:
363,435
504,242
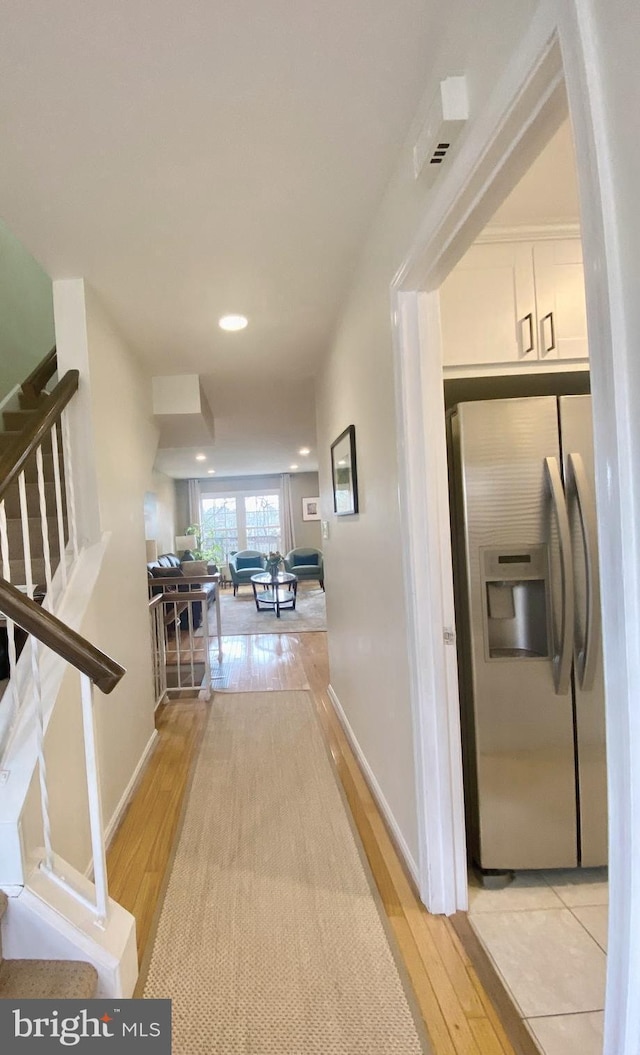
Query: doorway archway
497,150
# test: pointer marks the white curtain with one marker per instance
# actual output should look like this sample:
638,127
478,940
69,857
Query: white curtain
194,502
286,506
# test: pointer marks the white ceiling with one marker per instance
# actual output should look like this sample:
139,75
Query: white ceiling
207,157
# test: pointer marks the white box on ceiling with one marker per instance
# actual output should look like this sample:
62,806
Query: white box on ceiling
447,114
176,394
182,411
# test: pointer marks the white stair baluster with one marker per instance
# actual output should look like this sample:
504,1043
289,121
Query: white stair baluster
11,626
26,541
191,643
68,476
42,765
59,509
46,549
206,692
163,651
176,627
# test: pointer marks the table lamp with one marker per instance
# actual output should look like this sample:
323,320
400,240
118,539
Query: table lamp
184,543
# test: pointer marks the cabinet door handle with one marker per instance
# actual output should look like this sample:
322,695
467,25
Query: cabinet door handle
528,318
552,346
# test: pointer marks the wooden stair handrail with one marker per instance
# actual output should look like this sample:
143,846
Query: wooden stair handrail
12,459
67,643
177,598
39,377
15,605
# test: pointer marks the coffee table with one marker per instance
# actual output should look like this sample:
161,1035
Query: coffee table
280,591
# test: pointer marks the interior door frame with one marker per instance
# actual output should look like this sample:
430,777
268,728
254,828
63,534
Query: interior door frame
553,57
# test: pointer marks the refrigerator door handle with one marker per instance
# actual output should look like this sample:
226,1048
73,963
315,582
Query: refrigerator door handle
562,664
587,657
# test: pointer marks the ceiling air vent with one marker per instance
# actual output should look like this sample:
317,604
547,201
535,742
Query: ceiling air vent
447,114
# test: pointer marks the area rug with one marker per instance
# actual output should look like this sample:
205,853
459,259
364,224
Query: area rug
270,939
239,616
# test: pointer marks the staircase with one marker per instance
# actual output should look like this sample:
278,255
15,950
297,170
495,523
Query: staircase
18,413
34,510
45,979
65,936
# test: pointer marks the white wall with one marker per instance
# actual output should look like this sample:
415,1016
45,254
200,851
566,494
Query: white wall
164,489
118,620
599,41
26,312
365,599
307,532
120,450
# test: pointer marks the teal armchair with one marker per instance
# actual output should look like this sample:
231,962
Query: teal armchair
305,563
244,564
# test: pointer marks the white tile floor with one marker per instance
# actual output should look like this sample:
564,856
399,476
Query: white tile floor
546,934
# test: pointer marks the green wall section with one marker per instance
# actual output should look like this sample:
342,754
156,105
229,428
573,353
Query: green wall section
26,312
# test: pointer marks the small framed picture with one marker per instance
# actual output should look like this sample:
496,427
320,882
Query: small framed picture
310,508
343,472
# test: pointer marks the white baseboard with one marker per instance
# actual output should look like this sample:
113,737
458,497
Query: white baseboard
127,794
376,790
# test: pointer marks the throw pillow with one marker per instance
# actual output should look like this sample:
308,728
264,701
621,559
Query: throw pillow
167,573
168,560
306,559
195,567
248,562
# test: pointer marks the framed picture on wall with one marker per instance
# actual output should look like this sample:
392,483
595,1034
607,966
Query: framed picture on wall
343,473
310,508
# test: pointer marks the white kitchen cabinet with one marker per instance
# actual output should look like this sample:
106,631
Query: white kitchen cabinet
515,302
561,308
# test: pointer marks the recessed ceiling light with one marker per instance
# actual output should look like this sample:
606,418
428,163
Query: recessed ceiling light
293,466
233,322
201,457
304,450
210,471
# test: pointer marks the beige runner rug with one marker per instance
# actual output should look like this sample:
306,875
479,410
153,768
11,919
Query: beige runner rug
270,939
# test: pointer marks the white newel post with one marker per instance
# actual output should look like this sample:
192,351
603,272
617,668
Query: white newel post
95,799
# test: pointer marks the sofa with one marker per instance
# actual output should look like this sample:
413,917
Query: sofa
244,564
305,563
168,565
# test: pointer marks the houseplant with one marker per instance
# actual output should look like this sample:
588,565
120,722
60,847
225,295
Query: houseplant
273,560
211,552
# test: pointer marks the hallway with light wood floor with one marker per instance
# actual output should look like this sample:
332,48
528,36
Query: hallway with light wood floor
458,1013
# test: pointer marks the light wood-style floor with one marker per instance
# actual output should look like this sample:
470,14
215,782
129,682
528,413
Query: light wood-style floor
459,1015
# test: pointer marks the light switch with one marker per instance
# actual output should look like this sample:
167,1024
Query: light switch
325,529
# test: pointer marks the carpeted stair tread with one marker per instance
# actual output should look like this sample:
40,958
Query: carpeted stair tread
47,980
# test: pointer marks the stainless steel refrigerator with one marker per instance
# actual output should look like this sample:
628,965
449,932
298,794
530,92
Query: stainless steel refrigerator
528,631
